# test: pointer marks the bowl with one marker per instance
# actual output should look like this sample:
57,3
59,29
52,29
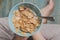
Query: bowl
29,5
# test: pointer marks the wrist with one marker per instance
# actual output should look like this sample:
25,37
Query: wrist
44,21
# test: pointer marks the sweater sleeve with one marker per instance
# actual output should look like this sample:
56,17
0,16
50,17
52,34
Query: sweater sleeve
5,32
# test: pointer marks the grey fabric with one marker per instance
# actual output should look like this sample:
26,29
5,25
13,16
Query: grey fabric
49,31
5,34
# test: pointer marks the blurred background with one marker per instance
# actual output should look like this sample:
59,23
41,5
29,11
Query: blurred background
6,5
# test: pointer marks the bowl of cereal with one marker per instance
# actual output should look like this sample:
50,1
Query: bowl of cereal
24,19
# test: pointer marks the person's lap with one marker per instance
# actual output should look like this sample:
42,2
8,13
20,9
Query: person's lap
49,31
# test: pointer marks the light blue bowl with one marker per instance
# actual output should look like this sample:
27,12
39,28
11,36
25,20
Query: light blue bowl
29,5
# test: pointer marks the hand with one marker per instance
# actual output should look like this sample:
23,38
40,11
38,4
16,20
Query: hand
46,11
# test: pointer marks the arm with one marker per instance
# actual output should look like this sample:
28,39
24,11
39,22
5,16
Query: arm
46,11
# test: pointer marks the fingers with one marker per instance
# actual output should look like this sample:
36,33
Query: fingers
24,38
16,37
51,4
47,10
